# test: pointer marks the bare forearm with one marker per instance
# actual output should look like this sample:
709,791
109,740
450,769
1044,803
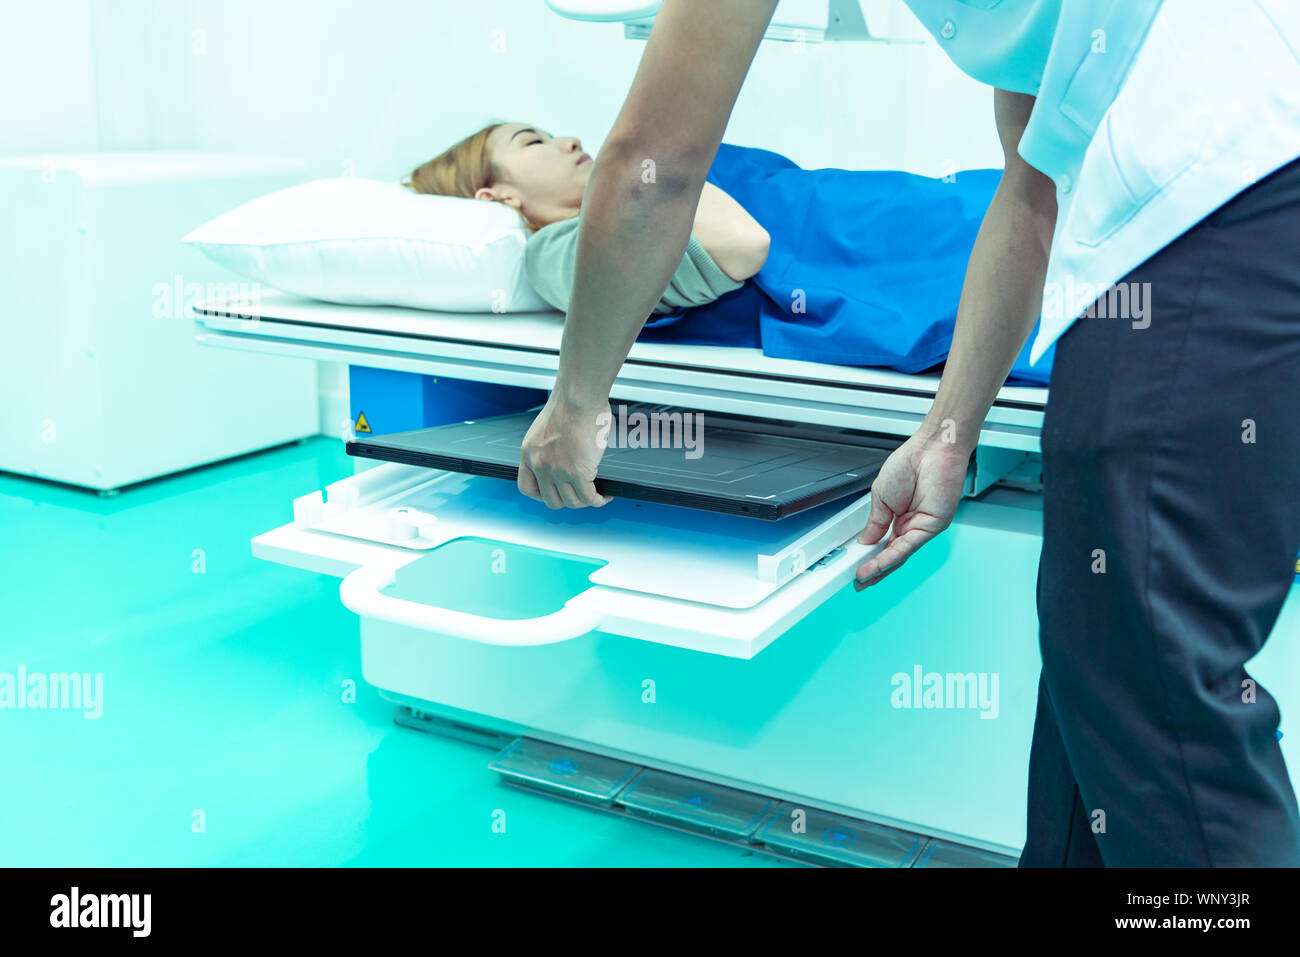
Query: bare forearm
1000,301
633,236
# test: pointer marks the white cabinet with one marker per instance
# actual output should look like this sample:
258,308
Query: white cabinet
101,381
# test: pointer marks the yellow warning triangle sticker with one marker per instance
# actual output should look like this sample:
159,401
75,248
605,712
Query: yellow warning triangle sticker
362,425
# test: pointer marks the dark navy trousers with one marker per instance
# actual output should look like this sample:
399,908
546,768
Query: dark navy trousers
1171,523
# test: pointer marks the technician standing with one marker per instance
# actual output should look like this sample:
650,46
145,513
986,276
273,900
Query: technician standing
1148,145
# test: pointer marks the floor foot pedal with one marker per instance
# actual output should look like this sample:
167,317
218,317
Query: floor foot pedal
806,832
942,854
702,805
581,775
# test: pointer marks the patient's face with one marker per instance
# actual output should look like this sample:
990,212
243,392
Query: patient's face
547,173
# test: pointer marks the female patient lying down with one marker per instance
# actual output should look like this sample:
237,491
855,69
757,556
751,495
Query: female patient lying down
850,267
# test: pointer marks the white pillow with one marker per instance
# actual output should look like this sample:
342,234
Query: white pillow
367,242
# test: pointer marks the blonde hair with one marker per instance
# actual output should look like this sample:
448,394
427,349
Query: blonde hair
462,170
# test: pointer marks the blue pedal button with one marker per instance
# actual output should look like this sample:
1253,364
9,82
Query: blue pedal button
942,854
574,774
697,804
807,832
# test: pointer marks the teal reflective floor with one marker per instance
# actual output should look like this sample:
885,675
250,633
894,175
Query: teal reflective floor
224,737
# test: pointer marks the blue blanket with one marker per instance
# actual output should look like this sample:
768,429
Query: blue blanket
865,267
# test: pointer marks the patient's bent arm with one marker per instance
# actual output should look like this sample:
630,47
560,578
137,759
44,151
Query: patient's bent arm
729,234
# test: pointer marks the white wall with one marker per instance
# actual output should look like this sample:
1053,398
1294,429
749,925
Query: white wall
373,88
378,86
47,89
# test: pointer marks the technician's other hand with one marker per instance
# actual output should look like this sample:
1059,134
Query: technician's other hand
917,491
561,452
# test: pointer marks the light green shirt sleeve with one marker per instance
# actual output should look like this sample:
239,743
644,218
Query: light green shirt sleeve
552,251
